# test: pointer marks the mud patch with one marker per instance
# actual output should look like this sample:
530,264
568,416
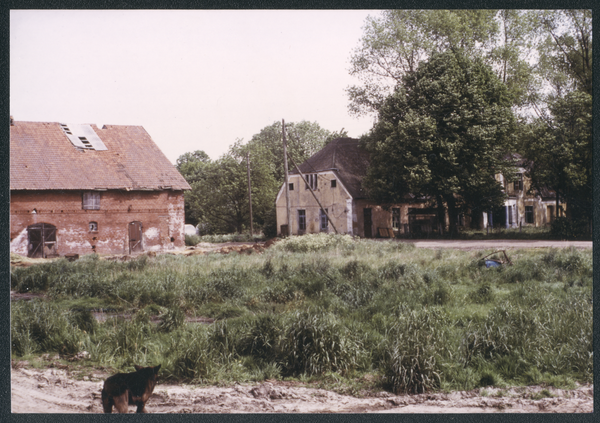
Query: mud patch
56,390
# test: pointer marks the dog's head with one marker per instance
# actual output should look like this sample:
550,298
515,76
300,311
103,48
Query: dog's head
150,372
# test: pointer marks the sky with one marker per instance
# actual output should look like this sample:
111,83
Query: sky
195,80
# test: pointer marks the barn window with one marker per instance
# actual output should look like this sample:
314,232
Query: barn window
291,187
333,183
93,226
91,201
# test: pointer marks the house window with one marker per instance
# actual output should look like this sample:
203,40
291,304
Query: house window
529,214
518,184
291,187
396,218
323,218
91,201
93,226
312,181
333,183
302,220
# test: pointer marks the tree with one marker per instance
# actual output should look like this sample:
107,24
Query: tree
394,44
443,134
218,201
560,152
566,53
192,167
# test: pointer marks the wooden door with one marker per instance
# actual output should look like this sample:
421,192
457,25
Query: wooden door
42,240
135,237
368,223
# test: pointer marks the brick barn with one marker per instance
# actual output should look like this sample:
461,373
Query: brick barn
80,189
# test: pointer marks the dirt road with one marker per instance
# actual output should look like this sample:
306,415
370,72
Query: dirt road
498,244
54,390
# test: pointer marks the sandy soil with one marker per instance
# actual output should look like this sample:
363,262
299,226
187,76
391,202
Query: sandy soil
56,390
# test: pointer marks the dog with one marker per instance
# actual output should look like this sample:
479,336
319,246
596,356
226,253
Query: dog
125,389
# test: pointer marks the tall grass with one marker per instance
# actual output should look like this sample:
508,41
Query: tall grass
418,320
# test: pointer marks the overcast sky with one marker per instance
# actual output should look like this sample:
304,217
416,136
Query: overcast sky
195,80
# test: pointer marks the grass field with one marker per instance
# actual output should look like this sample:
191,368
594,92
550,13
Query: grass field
331,309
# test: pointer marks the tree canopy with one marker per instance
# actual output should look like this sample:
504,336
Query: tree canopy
443,134
218,201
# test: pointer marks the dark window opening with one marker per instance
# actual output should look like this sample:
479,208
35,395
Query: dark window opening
291,187
333,183
529,214
91,201
302,220
518,184
324,220
93,226
312,181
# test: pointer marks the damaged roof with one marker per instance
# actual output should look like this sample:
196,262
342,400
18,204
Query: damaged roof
43,157
346,158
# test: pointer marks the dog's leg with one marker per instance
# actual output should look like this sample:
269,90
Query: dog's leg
121,402
141,408
106,402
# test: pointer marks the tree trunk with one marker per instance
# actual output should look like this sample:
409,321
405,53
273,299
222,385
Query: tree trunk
441,214
452,215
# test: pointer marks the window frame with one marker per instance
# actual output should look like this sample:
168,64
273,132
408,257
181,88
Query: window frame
93,226
395,218
518,184
334,183
90,200
529,215
301,220
323,218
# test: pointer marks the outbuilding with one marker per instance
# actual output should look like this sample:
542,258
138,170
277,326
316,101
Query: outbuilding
81,189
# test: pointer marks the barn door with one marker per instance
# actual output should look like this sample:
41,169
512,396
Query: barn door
368,223
42,240
135,237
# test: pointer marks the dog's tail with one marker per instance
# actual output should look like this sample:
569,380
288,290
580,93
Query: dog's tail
107,402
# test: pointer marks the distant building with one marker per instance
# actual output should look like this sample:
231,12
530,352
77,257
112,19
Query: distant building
335,174
80,189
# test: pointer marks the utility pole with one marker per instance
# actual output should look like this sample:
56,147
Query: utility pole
249,193
287,185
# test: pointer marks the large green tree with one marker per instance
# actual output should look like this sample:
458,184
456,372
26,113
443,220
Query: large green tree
559,149
443,134
396,41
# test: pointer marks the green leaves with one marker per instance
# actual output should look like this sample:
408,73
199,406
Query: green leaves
443,134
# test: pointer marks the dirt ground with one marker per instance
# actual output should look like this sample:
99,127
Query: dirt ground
56,390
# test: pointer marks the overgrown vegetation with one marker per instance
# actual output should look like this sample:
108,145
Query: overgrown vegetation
321,307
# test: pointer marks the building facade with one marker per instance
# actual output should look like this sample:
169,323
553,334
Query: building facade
80,189
334,175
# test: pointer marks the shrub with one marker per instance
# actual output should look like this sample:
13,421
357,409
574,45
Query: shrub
171,319
416,343
314,242
42,327
316,342
482,295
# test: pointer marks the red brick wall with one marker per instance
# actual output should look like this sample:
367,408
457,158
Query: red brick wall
161,214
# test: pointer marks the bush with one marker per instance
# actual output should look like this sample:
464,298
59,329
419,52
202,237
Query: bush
316,342
314,242
416,344
563,228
